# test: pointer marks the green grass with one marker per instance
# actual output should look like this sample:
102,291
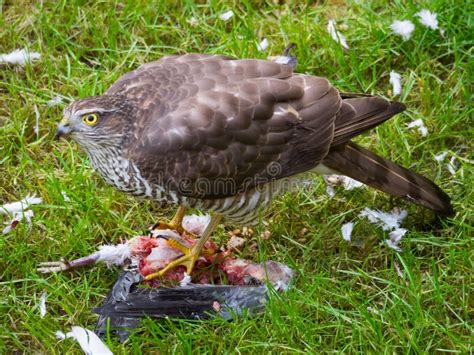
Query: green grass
87,45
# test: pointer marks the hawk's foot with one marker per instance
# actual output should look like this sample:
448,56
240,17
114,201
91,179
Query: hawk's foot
191,254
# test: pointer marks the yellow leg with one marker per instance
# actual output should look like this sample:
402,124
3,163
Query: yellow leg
175,223
190,254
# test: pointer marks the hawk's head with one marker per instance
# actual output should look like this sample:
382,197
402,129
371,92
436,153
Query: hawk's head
96,122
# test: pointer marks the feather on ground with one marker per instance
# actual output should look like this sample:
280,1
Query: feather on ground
19,57
89,342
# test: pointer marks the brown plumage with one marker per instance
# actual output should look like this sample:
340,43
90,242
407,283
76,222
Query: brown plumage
223,134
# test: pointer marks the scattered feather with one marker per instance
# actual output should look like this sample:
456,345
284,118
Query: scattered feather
192,21
186,280
428,19
420,127
395,238
263,45
336,35
330,191
42,304
88,341
54,101
17,218
114,254
226,16
65,196
351,184
59,335
12,225
346,230
398,270
451,166
387,221
19,56
373,310
441,156
403,28
27,215
342,180
281,286
395,80
37,115
19,211
196,224
14,207
285,275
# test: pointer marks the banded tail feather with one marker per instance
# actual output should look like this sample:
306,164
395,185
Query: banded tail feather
384,175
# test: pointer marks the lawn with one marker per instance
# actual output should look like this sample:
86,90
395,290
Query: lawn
346,297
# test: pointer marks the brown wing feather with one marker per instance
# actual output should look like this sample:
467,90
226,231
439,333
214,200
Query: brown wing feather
360,114
216,118
141,74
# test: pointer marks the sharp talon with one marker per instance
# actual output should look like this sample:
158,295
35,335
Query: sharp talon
153,227
165,237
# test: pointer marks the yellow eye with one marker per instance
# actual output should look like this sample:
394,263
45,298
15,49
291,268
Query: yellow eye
90,119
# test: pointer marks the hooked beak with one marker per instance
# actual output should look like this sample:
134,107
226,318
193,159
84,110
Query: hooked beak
63,129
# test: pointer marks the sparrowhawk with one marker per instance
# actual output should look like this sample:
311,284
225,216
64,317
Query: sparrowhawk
226,136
